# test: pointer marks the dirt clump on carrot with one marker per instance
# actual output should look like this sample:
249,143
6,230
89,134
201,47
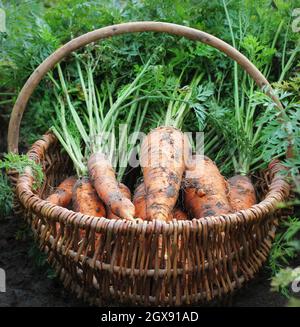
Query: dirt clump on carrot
241,192
205,189
104,180
62,196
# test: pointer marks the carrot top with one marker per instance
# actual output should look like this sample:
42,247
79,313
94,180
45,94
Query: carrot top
95,130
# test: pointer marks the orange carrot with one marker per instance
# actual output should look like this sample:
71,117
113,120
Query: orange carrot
205,189
162,159
139,201
62,195
86,200
126,193
104,180
241,192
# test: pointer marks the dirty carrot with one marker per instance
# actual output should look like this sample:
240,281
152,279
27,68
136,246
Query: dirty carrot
139,201
126,193
104,180
163,164
241,192
205,189
86,200
62,195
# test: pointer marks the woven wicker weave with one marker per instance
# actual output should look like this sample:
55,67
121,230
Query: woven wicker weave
149,263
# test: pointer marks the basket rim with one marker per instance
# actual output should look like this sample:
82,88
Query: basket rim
278,191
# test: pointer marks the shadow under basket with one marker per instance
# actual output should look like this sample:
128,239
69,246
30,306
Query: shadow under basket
148,263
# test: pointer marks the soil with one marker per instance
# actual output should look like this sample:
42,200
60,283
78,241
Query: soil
28,282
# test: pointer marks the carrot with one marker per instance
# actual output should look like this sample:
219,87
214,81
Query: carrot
62,195
104,180
86,200
241,192
139,201
126,193
205,189
162,158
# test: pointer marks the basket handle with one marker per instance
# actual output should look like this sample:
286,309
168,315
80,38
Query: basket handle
105,32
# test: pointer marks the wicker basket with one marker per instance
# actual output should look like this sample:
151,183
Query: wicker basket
148,263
